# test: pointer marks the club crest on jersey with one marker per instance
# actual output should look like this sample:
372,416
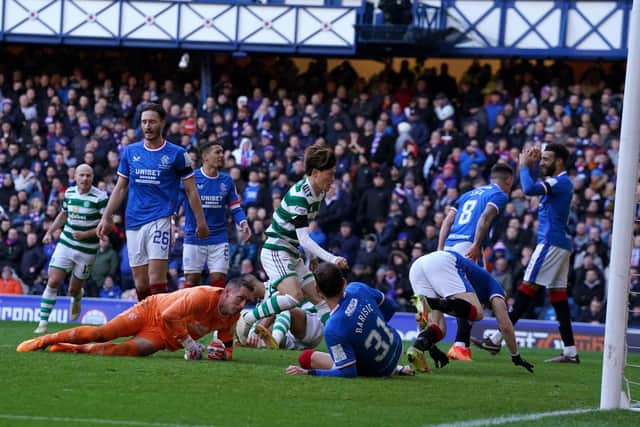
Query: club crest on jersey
223,187
164,162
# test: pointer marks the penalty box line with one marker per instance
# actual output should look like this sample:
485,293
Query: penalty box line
514,418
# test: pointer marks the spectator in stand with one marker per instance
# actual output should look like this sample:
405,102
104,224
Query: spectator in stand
106,264
8,283
109,289
33,260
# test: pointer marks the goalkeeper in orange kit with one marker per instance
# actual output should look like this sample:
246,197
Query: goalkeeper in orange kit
160,322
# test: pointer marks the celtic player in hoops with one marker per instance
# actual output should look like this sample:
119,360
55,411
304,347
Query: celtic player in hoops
75,253
280,255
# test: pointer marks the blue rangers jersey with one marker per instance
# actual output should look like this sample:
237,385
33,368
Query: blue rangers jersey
470,207
553,211
358,336
154,181
216,194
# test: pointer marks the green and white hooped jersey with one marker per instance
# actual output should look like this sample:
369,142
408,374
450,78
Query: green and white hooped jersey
298,207
83,213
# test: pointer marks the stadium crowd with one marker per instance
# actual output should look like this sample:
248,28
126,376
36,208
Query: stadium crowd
408,143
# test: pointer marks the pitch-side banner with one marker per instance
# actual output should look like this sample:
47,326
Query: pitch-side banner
529,333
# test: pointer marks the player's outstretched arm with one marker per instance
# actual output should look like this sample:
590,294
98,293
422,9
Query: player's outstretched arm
118,195
311,246
446,227
506,327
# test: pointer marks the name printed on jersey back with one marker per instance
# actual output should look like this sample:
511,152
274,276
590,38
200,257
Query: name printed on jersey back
365,311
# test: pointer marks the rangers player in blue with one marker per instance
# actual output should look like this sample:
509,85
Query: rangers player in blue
217,192
446,282
549,264
359,339
149,178
466,229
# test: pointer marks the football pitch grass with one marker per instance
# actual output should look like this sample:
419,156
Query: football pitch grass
53,389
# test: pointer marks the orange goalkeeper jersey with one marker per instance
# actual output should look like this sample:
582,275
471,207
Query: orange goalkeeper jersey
191,311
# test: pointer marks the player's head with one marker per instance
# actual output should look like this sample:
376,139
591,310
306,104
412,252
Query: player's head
152,121
235,296
258,285
84,177
554,159
212,154
329,280
502,174
320,166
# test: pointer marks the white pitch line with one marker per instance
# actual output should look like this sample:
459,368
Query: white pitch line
514,418
93,421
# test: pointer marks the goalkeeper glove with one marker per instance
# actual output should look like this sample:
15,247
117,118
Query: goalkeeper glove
439,358
519,361
192,349
216,350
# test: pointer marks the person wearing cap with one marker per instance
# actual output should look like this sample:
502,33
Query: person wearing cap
368,256
374,202
346,241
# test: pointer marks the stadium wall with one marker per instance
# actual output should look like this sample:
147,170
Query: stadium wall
529,334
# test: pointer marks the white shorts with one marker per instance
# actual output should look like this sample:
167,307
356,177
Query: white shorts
314,333
462,248
435,276
151,241
548,267
67,259
280,264
216,257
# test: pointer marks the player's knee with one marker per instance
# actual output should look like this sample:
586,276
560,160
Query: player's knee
475,313
296,294
304,360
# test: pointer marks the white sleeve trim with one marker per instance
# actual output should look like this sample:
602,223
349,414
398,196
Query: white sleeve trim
311,246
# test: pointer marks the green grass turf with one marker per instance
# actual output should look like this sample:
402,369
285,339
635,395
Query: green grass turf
253,390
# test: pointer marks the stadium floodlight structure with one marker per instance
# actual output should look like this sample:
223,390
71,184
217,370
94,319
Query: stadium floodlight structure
615,349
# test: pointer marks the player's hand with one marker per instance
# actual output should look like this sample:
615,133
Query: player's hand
474,253
519,361
342,263
78,235
216,350
245,230
296,370
202,231
104,228
253,340
46,239
194,353
439,357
